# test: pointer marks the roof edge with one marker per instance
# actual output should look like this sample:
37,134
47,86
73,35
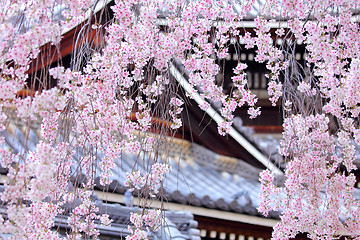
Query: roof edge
230,216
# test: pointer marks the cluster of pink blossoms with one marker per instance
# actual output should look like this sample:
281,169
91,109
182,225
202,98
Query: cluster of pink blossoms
144,223
175,103
151,181
315,191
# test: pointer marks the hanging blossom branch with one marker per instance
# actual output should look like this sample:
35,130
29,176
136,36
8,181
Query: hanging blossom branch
318,193
91,111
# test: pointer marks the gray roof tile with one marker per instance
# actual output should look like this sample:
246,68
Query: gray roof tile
199,177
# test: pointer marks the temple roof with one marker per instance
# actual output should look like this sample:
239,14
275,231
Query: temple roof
199,177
